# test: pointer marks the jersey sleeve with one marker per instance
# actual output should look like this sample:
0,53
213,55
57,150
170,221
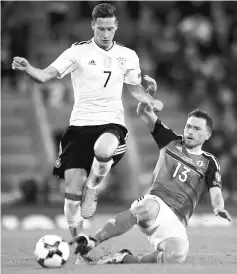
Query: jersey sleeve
163,135
133,73
213,175
65,63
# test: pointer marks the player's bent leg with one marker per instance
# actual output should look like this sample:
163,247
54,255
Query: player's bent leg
146,211
150,212
74,182
114,227
174,250
143,212
104,149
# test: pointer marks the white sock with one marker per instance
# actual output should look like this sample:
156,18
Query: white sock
99,170
72,212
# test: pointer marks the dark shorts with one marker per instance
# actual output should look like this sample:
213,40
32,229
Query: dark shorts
77,147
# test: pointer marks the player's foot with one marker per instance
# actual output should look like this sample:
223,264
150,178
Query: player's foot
89,203
117,258
84,260
80,259
84,244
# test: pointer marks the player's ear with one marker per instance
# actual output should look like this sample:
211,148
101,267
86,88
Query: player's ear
208,135
116,24
93,25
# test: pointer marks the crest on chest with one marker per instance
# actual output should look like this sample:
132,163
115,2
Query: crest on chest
107,62
122,63
200,163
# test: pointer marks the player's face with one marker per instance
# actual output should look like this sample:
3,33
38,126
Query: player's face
104,31
195,132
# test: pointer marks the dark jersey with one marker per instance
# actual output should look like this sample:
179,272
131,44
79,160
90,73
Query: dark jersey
181,177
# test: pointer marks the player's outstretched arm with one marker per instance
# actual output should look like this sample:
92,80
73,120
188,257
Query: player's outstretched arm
139,93
147,115
38,75
144,111
217,202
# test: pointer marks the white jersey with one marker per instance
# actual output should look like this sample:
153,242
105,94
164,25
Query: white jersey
97,79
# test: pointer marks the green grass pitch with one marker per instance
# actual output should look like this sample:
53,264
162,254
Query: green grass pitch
213,250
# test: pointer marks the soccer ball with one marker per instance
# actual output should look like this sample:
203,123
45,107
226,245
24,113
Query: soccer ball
51,251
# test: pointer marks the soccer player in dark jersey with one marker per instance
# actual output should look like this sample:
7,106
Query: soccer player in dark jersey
180,176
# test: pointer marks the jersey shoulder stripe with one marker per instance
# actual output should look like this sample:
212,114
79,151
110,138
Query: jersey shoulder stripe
213,158
82,42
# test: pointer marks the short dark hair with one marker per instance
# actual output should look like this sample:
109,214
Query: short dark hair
104,10
204,115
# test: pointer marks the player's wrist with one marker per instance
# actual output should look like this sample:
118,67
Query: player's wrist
151,91
28,68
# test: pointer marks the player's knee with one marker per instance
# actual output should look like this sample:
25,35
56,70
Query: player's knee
175,250
106,145
175,256
102,166
140,209
146,211
75,180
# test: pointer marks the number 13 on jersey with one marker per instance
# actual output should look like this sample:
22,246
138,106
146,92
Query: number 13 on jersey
183,175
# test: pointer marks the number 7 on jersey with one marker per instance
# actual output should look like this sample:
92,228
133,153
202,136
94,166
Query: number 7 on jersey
107,80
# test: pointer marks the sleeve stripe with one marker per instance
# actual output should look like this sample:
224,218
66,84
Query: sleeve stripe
65,69
82,42
165,126
214,159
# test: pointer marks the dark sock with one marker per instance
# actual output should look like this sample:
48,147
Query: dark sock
116,226
154,257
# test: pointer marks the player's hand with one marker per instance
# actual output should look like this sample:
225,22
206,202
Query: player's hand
222,213
151,85
20,63
143,108
156,105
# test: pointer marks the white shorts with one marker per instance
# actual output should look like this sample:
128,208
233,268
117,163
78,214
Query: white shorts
166,225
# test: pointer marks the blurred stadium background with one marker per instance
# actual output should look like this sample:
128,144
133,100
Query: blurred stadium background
189,47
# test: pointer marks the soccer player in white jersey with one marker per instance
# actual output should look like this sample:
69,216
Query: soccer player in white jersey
96,137
182,173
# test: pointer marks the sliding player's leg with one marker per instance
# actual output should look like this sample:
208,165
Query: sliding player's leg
165,232
172,250
114,227
142,212
146,211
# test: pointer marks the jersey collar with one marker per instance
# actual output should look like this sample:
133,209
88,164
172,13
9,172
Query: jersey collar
194,153
94,42
190,151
